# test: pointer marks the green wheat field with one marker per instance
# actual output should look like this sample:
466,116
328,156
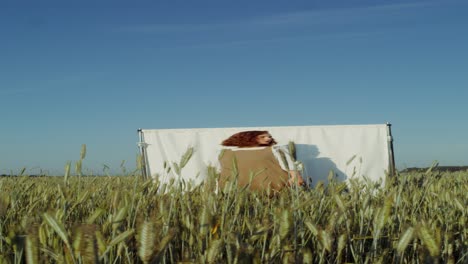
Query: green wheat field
417,217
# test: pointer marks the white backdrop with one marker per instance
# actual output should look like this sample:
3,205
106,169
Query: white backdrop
320,148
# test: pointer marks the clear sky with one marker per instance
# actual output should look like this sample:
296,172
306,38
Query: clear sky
93,72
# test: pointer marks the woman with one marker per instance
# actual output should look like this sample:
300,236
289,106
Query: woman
255,160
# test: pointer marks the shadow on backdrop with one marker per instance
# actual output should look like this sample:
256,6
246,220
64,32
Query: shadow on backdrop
316,169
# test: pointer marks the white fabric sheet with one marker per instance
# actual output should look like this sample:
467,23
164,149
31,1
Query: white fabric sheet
319,148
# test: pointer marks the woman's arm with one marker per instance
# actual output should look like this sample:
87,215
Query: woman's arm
281,153
287,164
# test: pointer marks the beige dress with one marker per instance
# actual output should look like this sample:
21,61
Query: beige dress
259,166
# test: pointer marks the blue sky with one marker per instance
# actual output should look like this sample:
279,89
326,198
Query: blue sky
78,72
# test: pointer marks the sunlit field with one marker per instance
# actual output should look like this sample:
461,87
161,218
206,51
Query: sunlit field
417,217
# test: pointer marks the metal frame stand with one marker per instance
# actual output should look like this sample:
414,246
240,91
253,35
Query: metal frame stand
142,148
392,169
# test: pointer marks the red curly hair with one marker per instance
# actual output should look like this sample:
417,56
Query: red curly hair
246,139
